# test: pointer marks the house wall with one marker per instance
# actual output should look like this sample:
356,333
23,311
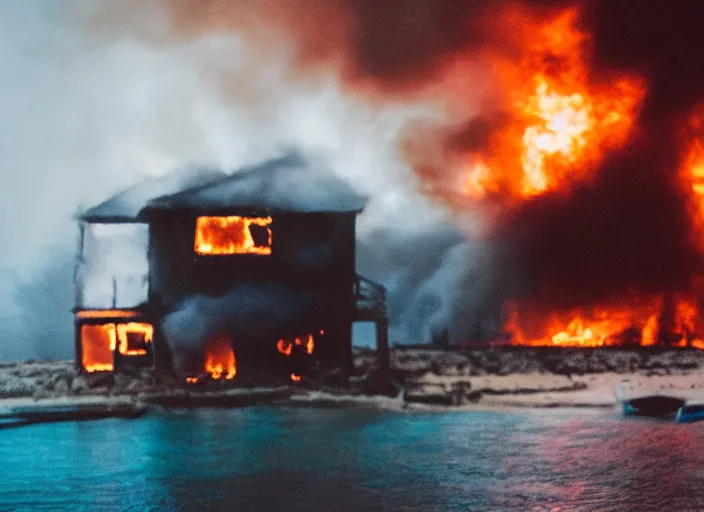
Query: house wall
312,253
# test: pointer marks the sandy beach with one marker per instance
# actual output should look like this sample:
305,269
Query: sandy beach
420,379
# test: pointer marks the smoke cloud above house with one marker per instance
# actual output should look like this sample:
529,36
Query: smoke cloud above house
93,104
442,112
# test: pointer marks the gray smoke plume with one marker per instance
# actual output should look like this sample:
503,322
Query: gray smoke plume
89,116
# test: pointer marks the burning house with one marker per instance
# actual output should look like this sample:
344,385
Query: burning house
245,274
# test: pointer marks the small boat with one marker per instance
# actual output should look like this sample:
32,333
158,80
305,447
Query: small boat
690,413
650,406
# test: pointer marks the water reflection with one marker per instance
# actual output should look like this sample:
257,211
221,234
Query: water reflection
301,459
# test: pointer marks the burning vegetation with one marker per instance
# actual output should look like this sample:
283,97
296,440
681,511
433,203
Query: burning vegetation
233,235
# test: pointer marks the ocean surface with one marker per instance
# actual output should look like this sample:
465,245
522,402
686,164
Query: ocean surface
279,459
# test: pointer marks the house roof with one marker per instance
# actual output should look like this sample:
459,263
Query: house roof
286,184
125,206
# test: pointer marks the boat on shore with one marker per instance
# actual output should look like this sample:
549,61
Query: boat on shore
653,406
650,406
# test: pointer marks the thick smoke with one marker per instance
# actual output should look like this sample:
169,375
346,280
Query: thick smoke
253,312
116,91
95,106
629,230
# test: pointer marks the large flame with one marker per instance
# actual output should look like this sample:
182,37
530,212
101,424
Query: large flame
672,321
637,323
232,235
220,358
692,169
561,122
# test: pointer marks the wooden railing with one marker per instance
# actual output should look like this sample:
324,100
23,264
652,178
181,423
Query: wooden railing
370,299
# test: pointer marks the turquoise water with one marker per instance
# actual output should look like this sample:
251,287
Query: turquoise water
272,459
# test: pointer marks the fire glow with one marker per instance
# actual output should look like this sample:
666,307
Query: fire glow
233,235
285,346
561,124
664,321
98,343
97,347
220,359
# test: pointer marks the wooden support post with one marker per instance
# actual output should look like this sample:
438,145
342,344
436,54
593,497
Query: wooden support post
382,343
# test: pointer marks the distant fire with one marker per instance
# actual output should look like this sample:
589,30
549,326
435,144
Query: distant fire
661,321
233,235
220,359
295,378
561,123
98,343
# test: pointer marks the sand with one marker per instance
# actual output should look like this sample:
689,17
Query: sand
495,378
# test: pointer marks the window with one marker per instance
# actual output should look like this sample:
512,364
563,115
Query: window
233,235
98,343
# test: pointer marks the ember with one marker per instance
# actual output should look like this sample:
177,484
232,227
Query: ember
233,235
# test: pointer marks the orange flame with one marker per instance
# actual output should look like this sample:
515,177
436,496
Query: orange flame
107,313
693,168
612,326
98,343
295,378
562,123
97,347
285,346
231,235
220,358
134,333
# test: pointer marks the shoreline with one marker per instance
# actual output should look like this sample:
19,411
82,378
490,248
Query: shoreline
421,380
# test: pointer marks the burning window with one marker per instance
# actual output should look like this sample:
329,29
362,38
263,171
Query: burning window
97,346
233,235
134,338
98,343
